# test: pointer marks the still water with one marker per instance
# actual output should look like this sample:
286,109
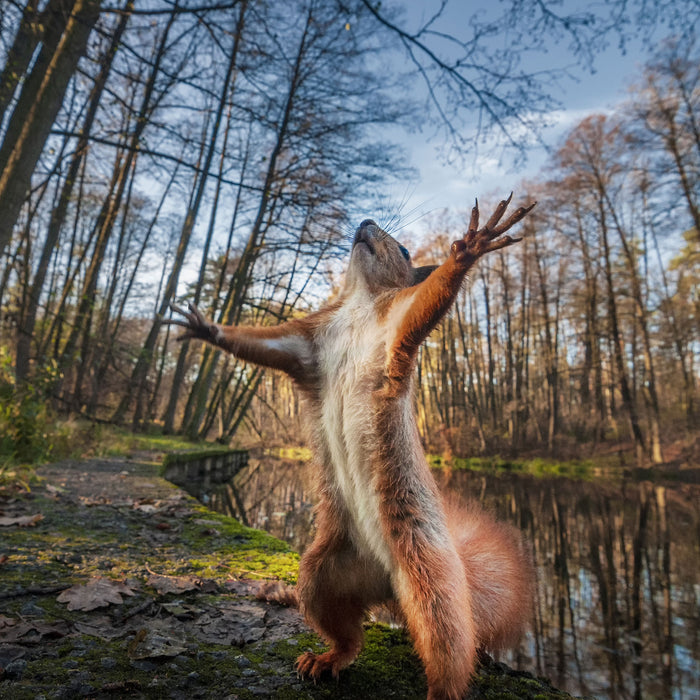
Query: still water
618,564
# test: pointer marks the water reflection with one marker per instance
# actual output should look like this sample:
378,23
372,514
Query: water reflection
616,613
272,494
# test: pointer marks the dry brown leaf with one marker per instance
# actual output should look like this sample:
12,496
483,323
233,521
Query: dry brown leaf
7,621
98,592
147,508
33,632
173,584
161,638
234,623
102,627
21,520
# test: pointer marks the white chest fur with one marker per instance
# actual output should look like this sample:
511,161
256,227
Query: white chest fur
352,353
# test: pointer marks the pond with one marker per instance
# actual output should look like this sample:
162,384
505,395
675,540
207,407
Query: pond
618,565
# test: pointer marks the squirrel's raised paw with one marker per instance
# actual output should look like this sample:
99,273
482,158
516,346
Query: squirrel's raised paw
479,241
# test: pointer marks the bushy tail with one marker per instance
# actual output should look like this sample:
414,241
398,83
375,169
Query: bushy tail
278,592
499,571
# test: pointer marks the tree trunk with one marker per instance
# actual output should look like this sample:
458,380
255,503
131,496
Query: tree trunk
593,370
226,89
112,335
491,384
233,305
37,107
550,351
642,320
616,338
20,54
110,208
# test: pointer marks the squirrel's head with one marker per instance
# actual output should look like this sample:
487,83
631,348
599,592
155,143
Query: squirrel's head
381,262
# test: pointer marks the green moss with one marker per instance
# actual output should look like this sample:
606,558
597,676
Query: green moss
387,667
223,546
116,441
75,439
301,454
577,469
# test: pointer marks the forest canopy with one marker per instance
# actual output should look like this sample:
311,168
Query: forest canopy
213,149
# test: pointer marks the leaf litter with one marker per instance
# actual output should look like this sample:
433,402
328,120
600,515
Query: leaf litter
90,555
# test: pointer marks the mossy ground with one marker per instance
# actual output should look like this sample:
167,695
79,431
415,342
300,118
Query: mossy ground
207,637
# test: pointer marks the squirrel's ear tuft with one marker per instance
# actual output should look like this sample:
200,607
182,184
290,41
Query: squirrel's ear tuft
422,273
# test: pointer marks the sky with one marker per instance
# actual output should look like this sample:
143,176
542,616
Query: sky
442,185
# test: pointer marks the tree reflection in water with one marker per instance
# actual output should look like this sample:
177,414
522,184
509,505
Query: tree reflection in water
616,613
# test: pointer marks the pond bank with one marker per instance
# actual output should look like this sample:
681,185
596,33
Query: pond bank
115,583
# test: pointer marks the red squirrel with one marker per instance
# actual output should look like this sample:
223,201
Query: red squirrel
461,580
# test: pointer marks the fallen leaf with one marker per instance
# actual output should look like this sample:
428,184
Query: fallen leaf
98,592
160,638
32,632
21,520
173,584
7,621
147,508
182,611
243,587
208,585
236,624
101,627
90,501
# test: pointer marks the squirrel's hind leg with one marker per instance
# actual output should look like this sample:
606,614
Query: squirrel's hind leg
435,599
336,587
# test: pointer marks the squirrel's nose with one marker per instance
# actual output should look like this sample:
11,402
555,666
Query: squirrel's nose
366,234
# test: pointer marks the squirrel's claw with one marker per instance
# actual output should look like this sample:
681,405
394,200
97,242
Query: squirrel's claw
479,241
194,323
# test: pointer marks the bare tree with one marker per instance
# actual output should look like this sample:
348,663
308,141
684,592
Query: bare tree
58,213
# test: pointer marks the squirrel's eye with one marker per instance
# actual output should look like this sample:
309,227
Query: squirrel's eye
405,252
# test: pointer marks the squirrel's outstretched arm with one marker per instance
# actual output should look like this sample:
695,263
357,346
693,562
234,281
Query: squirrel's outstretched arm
285,347
426,303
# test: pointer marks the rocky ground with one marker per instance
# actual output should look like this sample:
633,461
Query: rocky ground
114,583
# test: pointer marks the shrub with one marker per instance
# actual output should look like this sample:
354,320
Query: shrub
25,423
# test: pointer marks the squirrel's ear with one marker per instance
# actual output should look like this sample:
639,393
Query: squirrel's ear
422,273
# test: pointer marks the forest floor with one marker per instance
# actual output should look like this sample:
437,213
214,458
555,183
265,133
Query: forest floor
115,583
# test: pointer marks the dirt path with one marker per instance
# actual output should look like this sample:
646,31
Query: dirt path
114,583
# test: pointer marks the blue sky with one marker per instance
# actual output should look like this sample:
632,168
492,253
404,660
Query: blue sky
453,186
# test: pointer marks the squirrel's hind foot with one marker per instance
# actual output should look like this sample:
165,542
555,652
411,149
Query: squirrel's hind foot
313,666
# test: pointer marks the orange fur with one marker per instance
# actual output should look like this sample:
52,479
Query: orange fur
461,580
500,573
